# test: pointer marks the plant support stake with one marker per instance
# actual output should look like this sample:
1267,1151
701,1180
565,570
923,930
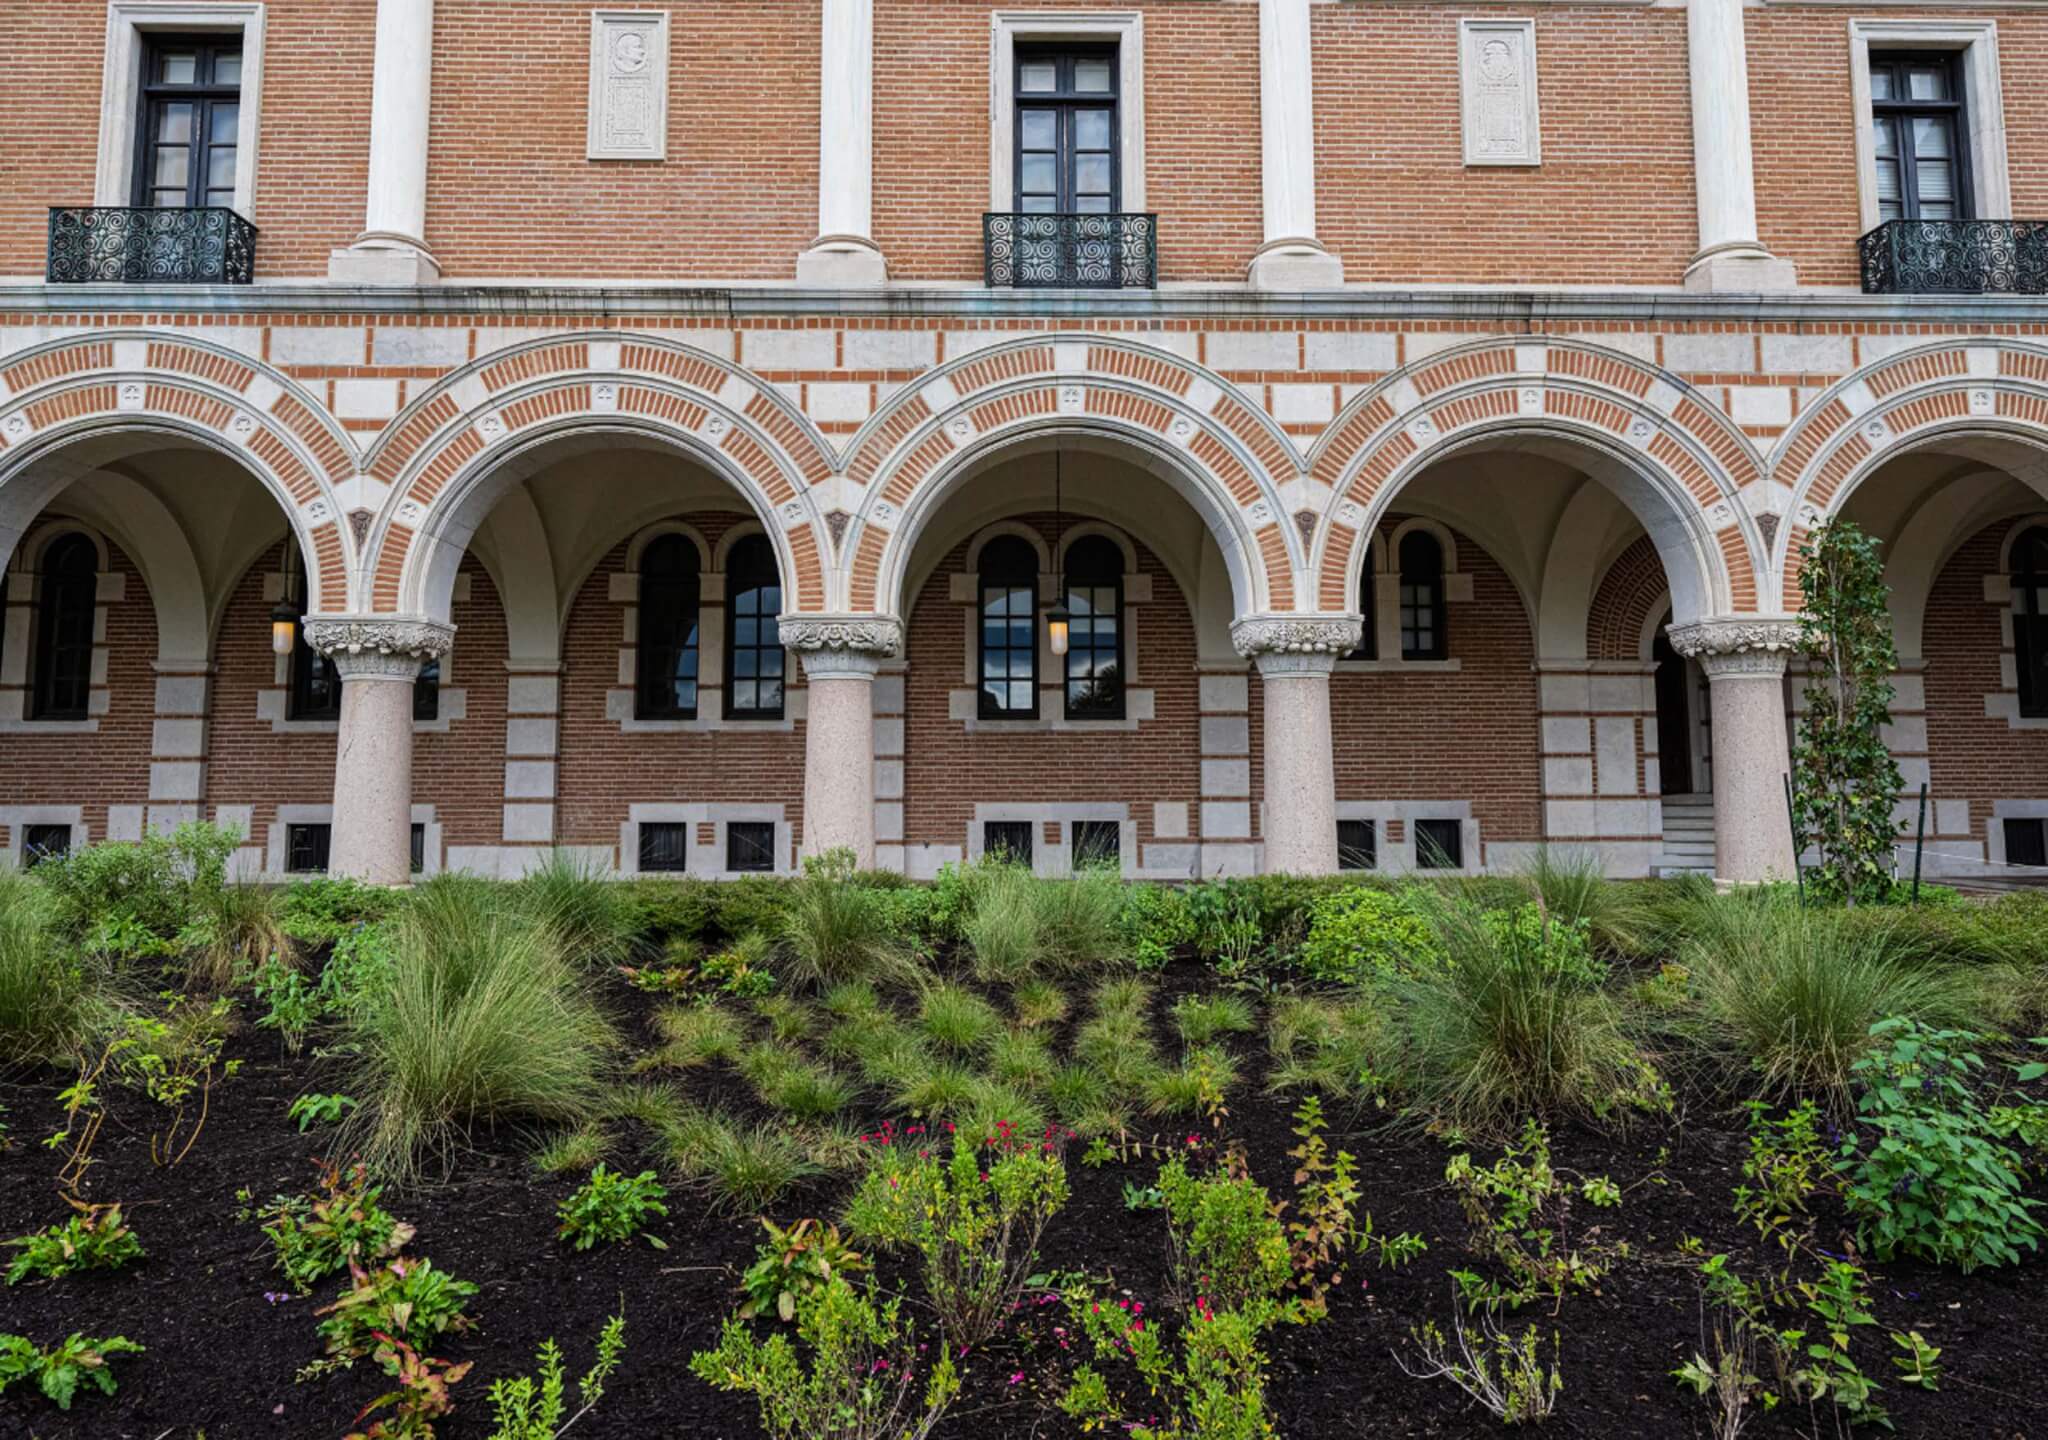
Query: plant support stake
1919,841
1792,823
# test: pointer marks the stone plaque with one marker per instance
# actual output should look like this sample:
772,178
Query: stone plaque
1497,69
628,85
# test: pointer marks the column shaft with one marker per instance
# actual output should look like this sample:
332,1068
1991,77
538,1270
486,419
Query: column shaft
372,837
845,251
1301,774
839,755
1731,257
1752,757
392,250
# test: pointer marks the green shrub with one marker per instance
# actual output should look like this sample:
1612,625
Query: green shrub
480,1020
130,900
1228,1248
1215,1390
1358,932
594,923
752,904
342,1224
531,1407
52,1000
834,930
93,1239
857,1378
1932,1181
672,908
957,1019
609,1207
320,910
405,1299
59,1370
1156,924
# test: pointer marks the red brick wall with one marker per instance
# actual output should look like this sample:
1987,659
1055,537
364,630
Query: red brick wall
110,766
1974,756
602,770
1467,735
932,135
1621,606
1612,200
949,770
461,772
510,192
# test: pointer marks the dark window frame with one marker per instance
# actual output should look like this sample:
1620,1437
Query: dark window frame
753,584
1368,605
426,692
1095,842
315,689
1451,856
204,94
419,847
1000,569
1430,582
1898,113
1109,704
2029,582
997,837
1357,855
745,852
1066,103
663,846
674,600
2034,848
67,604
37,846
308,847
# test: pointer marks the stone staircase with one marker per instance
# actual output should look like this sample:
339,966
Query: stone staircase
1688,835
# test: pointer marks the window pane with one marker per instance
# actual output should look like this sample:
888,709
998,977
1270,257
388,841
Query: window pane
221,124
220,170
1881,82
1092,77
1038,75
174,124
1041,175
1039,129
1091,175
1931,137
173,169
1091,130
1091,204
227,67
177,67
1927,82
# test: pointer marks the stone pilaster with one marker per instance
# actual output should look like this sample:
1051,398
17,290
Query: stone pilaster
1295,656
845,254
392,250
841,655
1730,257
1291,258
1745,662
378,659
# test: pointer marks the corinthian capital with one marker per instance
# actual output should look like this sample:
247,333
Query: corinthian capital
1333,635
370,646
1743,636
877,635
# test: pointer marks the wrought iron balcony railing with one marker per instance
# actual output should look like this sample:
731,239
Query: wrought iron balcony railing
140,245
1956,257
1071,252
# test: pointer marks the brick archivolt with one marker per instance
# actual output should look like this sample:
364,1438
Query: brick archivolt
108,382
1633,420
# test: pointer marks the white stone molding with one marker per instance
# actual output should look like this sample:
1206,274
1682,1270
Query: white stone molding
1730,257
1126,28
1291,258
15,820
878,635
392,250
1497,75
1332,635
121,89
705,861
628,117
844,254
1983,98
1398,857
1055,859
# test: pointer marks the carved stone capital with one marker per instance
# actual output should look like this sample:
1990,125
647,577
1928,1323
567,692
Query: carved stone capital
376,647
878,635
1705,638
1279,664
1332,635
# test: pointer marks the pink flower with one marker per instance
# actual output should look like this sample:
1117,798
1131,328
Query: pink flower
1017,1378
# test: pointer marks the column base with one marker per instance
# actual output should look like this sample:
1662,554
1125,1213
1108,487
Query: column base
1294,265
1743,271
842,262
377,261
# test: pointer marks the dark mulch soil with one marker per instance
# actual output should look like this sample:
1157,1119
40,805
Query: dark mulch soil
221,1357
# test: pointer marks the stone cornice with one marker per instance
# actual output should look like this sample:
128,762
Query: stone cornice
878,635
1713,639
376,646
1331,635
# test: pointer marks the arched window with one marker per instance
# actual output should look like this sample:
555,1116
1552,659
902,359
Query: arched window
2030,620
1368,605
753,635
665,685
426,692
1009,629
1422,597
1095,644
64,625
316,685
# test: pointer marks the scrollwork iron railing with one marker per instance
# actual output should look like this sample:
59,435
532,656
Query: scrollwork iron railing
1956,257
1071,252
144,244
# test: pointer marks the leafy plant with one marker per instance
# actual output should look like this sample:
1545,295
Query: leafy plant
94,1239
1502,1371
610,1207
52,998
1736,1330
1357,932
859,1380
60,1370
1519,1210
1787,1164
1325,1228
421,1397
1839,1301
1213,1389
404,1299
1226,1246
795,1264
531,1407
1921,1364
317,1109
172,1059
338,1226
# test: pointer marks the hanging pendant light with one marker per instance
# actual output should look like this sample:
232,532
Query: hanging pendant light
284,615
1057,621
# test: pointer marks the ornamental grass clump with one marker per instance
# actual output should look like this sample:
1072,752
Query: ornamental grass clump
52,998
594,921
834,930
974,1220
480,1021
958,1020
1020,926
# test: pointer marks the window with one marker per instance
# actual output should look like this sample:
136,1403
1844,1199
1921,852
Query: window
1067,160
1422,597
2026,842
2030,620
750,846
419,847
65,618
1009,630
426,693
1095,644
191,116
1368,605
1439,845
1007,840
664,847
316,684
44,842
306,848
753,634
670,591
1917,118
1357,845
1097,842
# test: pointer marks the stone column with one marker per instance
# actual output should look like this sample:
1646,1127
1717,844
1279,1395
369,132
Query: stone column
841,654
1744,661
392,250
1295,656
1291,257
378,658
1730,257
845,253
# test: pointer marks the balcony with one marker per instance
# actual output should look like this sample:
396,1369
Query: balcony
1956,257
1071,252
146,245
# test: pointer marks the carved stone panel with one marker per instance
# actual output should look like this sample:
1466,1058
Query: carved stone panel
628,85
1497,69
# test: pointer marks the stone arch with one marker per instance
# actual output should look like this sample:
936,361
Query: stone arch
1632,596
157,545
71,405
1671,457
1185,424
1988,397
449,455
647,534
